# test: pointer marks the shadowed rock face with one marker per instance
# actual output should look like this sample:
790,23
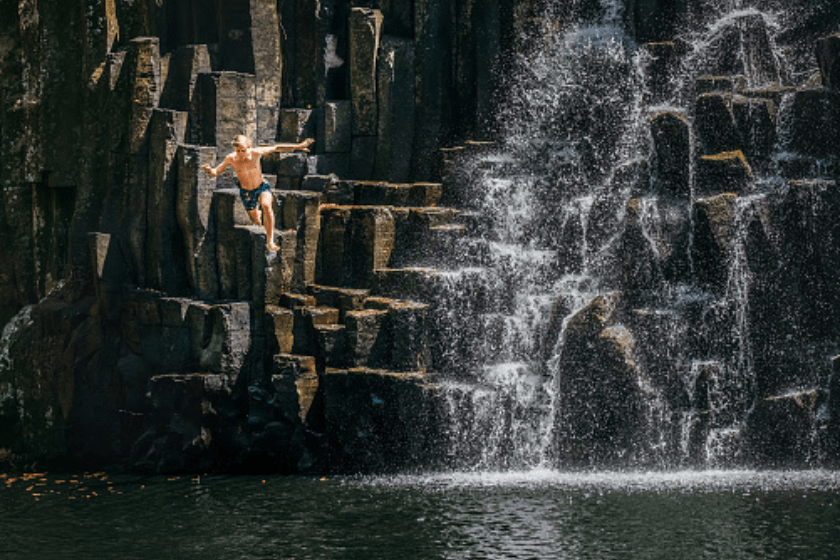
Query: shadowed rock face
148,326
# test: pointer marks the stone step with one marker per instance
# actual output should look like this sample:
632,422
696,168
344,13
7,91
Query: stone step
293,331
334,190
344,299
409,283
373,193
366,332
368,413
355,242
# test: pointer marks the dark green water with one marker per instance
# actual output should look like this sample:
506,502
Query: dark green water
544,514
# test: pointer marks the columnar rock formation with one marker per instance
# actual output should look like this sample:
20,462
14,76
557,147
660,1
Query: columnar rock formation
146,325
166,335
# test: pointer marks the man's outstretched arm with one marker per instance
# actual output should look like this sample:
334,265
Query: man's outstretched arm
286,147
214,171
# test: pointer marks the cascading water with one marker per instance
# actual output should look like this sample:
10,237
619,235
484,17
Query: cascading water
591,260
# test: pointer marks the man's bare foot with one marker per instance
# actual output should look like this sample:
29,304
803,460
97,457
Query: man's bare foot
272,247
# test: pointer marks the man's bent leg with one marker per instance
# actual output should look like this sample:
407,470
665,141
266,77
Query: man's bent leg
268,219
254,214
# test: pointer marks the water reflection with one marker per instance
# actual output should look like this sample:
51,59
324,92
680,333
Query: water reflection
540,514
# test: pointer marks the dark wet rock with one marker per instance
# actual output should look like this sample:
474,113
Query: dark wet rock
726,172
395,101
365,35
653,245
377,420
713,229
672,153
660,69
755,119
599,389
334,126
151,328
714,123
828,59
717,84
814,123
781,430
743,43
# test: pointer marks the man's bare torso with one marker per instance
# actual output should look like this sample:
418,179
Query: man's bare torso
247,167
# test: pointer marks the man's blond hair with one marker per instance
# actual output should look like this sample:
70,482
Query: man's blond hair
242,141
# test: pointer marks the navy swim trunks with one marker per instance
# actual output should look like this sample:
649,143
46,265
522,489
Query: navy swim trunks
250,199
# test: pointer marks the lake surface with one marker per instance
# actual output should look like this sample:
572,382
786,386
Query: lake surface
532,515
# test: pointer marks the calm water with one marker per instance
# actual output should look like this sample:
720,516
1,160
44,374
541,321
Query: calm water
727,515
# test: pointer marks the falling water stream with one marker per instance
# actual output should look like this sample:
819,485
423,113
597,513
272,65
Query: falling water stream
574,153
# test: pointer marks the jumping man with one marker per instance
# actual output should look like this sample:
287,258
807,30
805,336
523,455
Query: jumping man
254,191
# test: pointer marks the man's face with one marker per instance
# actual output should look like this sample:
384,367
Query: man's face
241,151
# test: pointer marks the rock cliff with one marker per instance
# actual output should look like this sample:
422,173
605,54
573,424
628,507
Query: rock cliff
147,326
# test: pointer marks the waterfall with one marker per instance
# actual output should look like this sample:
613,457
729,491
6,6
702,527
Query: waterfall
587,231
537,191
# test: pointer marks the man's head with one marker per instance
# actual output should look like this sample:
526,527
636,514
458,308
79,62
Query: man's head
241,143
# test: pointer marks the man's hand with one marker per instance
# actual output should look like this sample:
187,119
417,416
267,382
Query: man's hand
209,170
304,146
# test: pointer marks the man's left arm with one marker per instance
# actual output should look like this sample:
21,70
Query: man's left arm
286,147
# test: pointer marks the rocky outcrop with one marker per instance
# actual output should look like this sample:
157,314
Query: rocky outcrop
600,389
165,317
148,326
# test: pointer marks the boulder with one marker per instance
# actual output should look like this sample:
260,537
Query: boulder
185,429
300,213
332,346
600,389
718,84
743,45
295,382
434,36
357,241
229,213
305,52
362,157
653,245
306,320
224,105
220,337
660,68
409,325
281,328
297,125
343,299
272,272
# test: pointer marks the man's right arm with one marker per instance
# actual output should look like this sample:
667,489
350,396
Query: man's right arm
214,171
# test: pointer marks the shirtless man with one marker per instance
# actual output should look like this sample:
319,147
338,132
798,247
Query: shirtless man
254,191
